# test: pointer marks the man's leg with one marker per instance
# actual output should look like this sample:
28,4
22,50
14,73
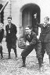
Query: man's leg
23,59
15,52
14,47
25,53
43,50
9,50
48,50
40,53
1,52
49,59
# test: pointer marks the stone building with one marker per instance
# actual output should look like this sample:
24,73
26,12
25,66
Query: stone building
22,11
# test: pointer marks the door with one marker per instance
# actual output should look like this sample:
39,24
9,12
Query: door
29,12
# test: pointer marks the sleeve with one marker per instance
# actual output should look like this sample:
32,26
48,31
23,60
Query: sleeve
6,28
2,34
33,40
39,25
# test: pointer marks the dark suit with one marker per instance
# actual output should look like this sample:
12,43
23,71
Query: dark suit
35,27
1,37
45,39
11,38
34,44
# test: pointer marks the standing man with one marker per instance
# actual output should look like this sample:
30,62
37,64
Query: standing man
11,36
31,37
35,20
45,37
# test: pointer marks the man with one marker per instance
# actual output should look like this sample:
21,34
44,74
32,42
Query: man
31,43
35,20
45,37
1,38
11,36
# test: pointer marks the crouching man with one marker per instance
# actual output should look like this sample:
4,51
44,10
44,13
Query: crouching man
34,43
1,37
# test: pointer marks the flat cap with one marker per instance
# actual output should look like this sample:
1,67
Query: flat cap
9,18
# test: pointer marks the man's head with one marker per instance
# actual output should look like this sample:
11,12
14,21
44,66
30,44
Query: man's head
28,30
35,15
9,19
46,19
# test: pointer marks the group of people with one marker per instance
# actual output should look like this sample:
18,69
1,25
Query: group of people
40,44
11,38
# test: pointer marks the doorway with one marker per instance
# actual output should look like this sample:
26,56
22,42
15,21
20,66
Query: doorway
29,12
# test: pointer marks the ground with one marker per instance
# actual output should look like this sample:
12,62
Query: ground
13,66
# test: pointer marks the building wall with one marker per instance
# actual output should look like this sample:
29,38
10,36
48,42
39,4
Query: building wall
18,4
16,14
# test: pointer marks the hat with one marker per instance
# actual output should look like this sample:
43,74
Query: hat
9,18
27,28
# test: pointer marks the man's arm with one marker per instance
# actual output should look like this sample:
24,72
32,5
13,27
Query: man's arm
15,29
39,25
34,39
5,32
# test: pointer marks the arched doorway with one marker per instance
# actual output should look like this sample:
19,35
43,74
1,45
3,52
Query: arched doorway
29,12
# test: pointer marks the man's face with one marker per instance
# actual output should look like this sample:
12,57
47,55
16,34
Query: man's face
35,16
45,22
9,20
28,31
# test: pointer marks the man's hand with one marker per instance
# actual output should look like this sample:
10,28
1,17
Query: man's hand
37,37
27,43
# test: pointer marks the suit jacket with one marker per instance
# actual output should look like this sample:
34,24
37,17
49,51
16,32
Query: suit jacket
45,33
11,33
32,38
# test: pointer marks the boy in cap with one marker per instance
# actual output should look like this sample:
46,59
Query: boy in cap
11,38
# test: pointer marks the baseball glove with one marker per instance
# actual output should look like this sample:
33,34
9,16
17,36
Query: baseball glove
21,43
